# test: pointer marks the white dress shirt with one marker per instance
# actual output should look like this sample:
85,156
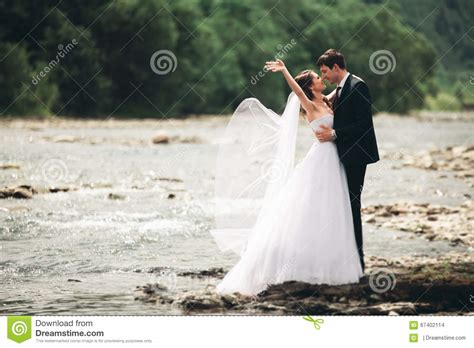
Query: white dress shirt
341,84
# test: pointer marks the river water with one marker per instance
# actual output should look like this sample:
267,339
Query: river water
84,252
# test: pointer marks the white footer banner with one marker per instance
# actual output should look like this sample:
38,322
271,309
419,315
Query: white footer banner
237,331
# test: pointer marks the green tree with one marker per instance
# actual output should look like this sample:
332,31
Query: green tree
19,95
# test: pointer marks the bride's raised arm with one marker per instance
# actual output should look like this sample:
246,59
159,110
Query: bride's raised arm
278,65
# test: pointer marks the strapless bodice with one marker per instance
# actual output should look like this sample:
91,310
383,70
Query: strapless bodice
327,120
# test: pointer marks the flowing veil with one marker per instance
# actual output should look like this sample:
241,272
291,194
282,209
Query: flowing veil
255,159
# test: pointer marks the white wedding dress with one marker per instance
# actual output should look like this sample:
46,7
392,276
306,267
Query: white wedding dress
305,233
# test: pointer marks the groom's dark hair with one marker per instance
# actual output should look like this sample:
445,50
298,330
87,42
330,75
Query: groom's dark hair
331,57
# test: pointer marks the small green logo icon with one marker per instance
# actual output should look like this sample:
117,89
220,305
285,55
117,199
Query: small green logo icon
413,325
414,337
19,328
316,322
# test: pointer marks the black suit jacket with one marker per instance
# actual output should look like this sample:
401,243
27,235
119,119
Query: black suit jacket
355,141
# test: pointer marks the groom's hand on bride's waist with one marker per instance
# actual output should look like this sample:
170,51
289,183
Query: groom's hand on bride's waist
324,133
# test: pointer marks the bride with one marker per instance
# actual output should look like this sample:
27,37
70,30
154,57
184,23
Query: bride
285,222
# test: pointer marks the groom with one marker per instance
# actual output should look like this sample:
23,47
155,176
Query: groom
353,130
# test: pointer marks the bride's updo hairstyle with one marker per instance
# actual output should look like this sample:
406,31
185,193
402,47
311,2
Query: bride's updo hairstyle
305,80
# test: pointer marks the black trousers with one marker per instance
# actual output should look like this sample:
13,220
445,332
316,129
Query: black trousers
355,179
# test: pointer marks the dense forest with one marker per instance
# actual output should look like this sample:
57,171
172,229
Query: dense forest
102,58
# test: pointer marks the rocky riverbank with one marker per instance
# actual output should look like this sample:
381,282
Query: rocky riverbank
406,286
433,222
456,159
